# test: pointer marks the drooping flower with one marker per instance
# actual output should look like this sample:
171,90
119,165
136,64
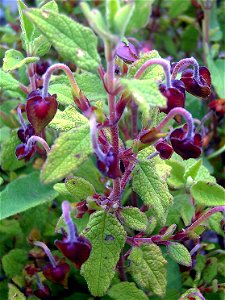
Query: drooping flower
165,149
127,52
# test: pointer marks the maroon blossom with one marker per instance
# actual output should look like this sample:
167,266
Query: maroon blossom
25,133
109,166
218,106
42,67
127,52
165,150
184,146
198,86
57,274
40,110
74,247
24,152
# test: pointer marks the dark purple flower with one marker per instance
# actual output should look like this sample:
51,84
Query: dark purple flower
218,106
200,87
186,147
109,167
58,274
43,292
40,111
42,67
175,96
127,52
23,152
77,251
25,134
165,150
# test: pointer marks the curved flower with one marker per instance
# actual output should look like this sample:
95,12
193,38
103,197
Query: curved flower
127,52
165,150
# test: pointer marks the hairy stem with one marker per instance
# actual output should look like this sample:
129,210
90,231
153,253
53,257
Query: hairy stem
156,61
72,232
66,69
185,114
21,119
112,113
47,252
34,138
185,63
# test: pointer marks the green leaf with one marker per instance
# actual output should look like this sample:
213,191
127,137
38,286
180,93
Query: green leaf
147,267
91,85
14,293
176,178
68,37
189,38
134,218
61,189
193,169
69,151
23,193
126,290
68,119
122,18
211,270
9,161
14,60
216,68
112,6
140,17
215,223
178,7
152,188
107,237
14,261
7,82
208,193
64,94
80,188
180,254
26,25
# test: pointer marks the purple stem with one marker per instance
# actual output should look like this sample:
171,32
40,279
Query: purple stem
21,119
152,155
184,63
156,61
185,114
72,231
34,138
93,128
66,69
47,252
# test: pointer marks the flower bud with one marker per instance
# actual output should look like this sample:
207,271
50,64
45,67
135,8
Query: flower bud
58,274
165,150
23,152
127,52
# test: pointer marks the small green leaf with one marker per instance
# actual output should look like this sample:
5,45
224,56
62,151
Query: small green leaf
14,261
107,237
9,161
68,119
68,37
23,193
211,270
122,18
208,193
7,82
69,151
112,6
134,218
147,267
80,188
14,293
215,223
61,189
126,290
140,16
193,169
14,60
152,188
178,7
180,254
216,68
26,25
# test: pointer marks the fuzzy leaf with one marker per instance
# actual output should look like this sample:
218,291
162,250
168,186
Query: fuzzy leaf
9,162
69,151
13,262
193,169
180,254
112,7
122,18
26,25
107,237
63,192
177,8
68,119
176,178
23,193
208,193
64,94
68,37
215,223
152,188
80,188
126,290
141,15
134,218
14,60
147,268
14,293
7,82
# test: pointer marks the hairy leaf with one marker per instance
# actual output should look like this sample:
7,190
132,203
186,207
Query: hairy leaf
107,237
80,188
64,94
14,60
68,152
7,82
134,218
126,290
147,267
73,41
180,254
14,293
208,193
14,261
23,193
